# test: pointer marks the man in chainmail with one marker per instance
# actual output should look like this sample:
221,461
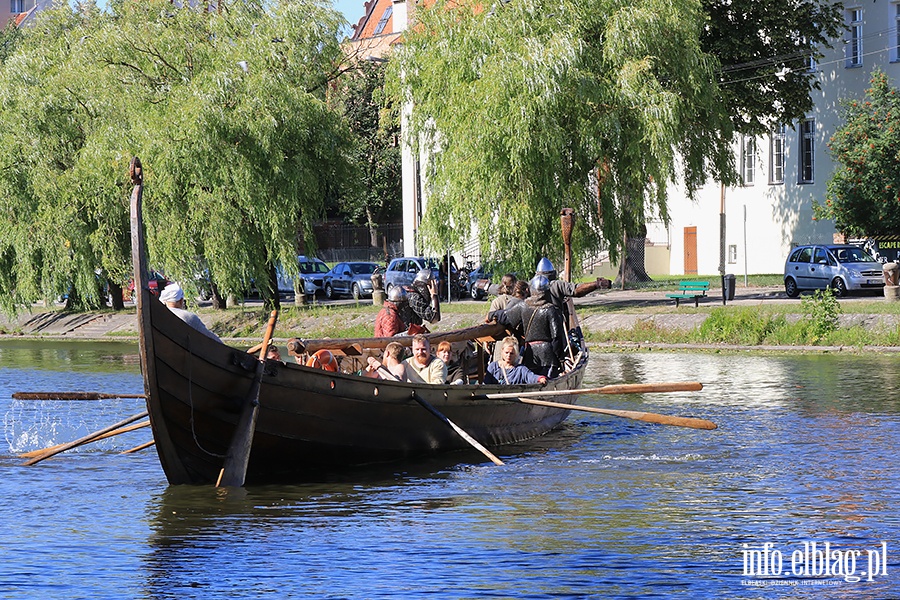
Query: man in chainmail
538,323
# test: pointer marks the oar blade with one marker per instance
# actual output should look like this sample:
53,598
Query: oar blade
234,471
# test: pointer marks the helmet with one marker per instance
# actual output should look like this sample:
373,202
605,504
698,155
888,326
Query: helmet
539,285
397,294
423,276
545,268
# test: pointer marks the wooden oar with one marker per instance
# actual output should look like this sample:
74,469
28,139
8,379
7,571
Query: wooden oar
459,430
71,396
138,448
234,471
623,388
85,439
627,414
109,434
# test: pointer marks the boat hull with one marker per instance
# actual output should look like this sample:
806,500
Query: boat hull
310,421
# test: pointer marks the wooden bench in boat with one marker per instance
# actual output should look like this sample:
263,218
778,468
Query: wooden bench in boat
690,290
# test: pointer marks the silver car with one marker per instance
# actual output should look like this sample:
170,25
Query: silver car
312,276
843,268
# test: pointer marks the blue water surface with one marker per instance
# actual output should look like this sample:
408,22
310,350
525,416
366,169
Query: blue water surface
603,507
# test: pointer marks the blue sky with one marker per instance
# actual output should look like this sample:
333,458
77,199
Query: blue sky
352,9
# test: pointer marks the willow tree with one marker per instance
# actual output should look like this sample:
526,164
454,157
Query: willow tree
63,221
227,111
531,107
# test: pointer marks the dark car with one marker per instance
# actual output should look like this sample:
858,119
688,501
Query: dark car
841,267
477,283
401,271
350,279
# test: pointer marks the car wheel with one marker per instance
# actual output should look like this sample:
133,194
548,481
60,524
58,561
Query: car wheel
790,288
356,293
474,293
329,291
839,288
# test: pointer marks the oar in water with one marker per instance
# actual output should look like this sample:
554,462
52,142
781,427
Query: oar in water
234,471
71,396
623,388
109,434
627,414
85,439
139,447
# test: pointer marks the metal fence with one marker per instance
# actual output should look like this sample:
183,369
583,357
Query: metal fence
339,242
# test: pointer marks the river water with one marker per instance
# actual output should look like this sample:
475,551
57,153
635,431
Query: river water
805,455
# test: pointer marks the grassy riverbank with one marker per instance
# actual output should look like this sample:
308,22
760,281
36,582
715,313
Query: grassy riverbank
816,320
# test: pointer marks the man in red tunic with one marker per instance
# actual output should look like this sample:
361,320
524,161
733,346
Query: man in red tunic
388,322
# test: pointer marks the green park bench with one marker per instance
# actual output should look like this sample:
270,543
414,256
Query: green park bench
690,290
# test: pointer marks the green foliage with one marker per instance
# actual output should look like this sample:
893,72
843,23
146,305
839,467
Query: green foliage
764,47
377,199
864,191
739,326
821,310
524,106
226,109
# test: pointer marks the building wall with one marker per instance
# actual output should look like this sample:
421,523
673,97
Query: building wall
764,220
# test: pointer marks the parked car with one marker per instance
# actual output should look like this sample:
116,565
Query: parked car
401,271
843,268
350,279
477,283
312,274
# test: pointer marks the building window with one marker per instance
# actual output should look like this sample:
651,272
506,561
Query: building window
776,155
385,16
807,150
854,43
895,41
748,159
732,254
16,6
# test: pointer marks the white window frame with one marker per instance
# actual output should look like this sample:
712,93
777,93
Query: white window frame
777,155
807,171
748,159
854,48
16,6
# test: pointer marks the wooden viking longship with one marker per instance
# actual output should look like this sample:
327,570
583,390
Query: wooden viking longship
306,420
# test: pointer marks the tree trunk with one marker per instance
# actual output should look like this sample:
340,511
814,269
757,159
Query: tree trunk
115,294
632,267
218,301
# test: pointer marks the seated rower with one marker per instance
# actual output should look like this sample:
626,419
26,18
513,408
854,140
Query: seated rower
507,370
173,297
454,369
392,363
422,367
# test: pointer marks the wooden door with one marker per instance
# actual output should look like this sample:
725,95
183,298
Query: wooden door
690,250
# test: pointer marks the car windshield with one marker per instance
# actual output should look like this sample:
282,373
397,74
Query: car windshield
313,267
363,268
851,255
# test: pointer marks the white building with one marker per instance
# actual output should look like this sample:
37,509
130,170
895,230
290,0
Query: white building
782,173
785,171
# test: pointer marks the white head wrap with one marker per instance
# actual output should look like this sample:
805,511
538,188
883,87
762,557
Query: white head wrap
172,293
